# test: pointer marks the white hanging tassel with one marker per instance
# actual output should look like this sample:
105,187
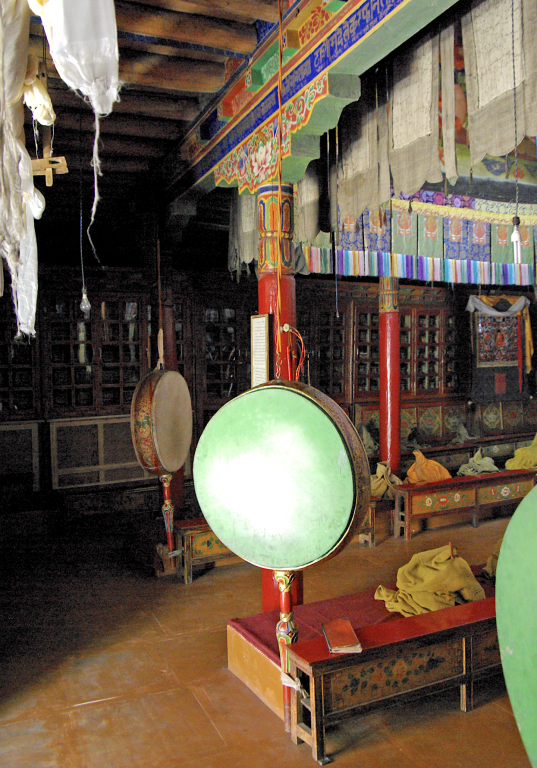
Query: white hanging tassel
517,241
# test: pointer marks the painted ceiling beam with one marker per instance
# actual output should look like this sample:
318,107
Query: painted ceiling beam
356,38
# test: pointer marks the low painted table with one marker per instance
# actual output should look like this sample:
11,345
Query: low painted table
199,545
400,659
459,494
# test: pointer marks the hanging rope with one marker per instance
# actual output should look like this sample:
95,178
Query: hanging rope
515,237
160,336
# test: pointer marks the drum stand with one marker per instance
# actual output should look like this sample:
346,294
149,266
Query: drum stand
286,633
167,512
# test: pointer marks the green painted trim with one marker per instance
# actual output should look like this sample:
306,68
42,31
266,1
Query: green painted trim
335,6
406,22
342,90
304,149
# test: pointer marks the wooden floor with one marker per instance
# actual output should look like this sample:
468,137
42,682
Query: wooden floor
105,666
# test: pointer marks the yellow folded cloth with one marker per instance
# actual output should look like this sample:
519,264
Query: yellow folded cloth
437,578
425,470
492,562
524,458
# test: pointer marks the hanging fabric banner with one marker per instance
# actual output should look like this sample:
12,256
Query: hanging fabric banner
502,347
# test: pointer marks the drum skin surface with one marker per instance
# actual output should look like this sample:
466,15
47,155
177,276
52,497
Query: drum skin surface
516,617
161,422
281,476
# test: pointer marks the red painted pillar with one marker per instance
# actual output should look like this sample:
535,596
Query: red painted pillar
268,288
390,414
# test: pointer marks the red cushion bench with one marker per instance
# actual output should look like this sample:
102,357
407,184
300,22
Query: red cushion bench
401,657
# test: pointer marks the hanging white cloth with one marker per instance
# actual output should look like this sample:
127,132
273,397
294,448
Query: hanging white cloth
82,38
243,237
14,37
20,201
35,95
447,58
308,193
476,305
487,36
25,275
413,122
358,183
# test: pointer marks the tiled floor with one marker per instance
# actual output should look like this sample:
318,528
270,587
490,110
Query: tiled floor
104,666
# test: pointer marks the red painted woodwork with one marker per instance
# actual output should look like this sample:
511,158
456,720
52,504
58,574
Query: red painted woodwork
268,301
408,628
270,593
390,447
268,298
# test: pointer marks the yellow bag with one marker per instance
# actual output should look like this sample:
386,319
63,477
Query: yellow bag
382,481
425,470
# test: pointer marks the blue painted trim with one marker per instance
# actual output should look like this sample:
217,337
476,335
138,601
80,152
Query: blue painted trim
351,30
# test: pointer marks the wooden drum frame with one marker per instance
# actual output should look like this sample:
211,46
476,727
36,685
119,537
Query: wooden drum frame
161,422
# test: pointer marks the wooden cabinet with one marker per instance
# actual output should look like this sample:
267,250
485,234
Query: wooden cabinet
428,340
93,364
344,347
221,338
366,373
327,335
19,376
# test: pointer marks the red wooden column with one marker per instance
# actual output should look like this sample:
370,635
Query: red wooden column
390,414
268,288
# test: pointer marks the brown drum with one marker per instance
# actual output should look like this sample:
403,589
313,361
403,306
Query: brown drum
161,422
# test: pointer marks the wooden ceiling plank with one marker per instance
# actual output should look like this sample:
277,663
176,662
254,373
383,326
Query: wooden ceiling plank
66,142
167,50
172,74
265,10
185,28
117,125
162,107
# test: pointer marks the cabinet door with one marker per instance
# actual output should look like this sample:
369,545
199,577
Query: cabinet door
70,361
121,336
450,378
366,375
92,365
427,352
327,338
428,347
222,351
19,382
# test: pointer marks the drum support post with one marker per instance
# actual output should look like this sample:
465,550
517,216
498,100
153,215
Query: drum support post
287,633
167,512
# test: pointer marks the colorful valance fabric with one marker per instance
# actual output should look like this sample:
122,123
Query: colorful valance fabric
433,236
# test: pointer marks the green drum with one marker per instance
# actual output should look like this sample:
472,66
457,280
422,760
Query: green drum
281,476
516,617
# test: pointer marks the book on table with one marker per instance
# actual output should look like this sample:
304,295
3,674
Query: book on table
341,637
